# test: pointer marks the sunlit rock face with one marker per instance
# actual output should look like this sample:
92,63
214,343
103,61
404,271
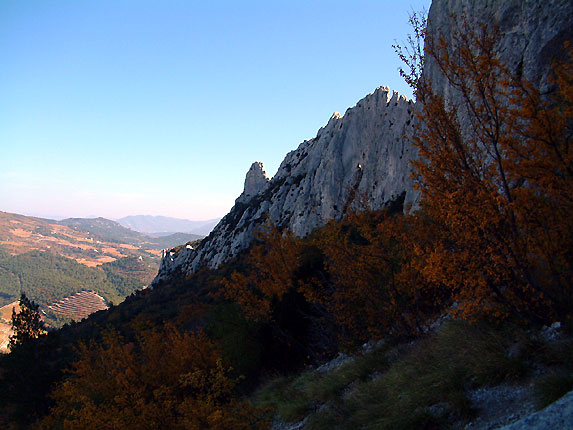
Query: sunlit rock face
255,181
363,158
357,160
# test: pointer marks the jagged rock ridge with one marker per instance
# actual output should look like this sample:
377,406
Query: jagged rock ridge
361,158
365,154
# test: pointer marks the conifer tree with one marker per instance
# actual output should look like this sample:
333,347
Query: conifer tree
27,324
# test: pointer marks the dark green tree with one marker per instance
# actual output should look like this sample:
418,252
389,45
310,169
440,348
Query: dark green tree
27,324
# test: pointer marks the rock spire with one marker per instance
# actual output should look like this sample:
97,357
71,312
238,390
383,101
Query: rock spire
255,181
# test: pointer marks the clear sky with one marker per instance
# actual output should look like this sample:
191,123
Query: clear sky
123,107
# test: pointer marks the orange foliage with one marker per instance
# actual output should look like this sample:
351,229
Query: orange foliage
359,271
272,265
165,380
494,228
499,187
363,260
372,287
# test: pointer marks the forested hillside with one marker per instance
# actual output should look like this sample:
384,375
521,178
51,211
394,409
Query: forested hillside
46,277
51,260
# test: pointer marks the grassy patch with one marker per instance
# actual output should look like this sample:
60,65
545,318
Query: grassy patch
287,396
295,397
557,357
417,389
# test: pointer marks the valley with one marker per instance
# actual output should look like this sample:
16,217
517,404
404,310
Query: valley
75,266
91,242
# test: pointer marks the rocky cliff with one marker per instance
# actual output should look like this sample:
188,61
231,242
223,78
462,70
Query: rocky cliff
362,158
359,159
531,33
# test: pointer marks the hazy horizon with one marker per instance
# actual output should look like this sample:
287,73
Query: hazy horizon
140,107
92,216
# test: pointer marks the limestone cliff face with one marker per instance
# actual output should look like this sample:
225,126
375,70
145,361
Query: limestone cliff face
361,158
364,155
532,33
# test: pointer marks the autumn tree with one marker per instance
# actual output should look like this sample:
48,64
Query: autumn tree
292,330
165,379
494,171
355,274
359,288
369,284
272,264
26,324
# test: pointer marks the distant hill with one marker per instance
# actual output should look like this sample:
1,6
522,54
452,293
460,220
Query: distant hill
105,230
47,277
160,225
90,241
51,260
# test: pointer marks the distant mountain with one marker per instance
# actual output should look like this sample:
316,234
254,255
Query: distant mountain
106,230
161,225
171,240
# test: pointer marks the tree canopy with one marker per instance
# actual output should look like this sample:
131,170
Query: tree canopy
27,324
495,172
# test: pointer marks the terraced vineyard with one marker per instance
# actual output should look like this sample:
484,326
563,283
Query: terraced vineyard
74,307
79,305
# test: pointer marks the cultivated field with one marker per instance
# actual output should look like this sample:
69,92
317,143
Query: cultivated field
79,305
20,234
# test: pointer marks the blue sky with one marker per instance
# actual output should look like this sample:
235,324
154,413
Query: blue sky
122,107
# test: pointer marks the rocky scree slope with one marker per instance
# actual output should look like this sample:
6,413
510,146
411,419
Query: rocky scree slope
361,158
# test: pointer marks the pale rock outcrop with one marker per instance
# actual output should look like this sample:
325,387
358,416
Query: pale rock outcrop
530,36
255,181
356,160
557,416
